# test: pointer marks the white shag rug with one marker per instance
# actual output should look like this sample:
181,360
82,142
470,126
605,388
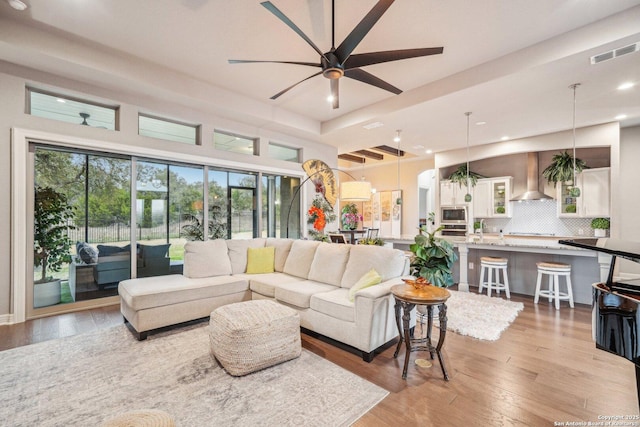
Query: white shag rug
480,316
86,379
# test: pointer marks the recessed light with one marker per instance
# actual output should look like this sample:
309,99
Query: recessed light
481,123
504,138
626,85
17,4
60,100
330,98
621,117
429,151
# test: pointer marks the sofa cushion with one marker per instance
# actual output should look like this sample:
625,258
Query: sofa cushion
300,258
389,263
335,304
266,284
260,260
369,279
206,259
107,250
283,246
151,292
237,249
299,293
329,263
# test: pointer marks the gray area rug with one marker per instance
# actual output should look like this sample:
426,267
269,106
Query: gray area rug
86,379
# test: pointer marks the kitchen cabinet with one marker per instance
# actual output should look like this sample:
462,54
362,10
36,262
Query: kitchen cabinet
452,194
491,198
594,199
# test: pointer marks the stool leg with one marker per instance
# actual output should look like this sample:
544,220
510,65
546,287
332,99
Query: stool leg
506,282
569,290
497,283
550,287
481,284
538,282
556,290
489,281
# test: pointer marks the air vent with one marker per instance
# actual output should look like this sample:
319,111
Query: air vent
615,53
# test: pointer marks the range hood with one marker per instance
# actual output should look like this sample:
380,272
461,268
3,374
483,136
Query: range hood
532,193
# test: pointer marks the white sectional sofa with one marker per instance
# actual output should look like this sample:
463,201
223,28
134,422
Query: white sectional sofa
313,278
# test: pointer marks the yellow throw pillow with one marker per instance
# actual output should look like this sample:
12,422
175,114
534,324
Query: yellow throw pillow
369,279
261,260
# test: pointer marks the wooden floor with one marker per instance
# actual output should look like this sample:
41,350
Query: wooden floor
543,370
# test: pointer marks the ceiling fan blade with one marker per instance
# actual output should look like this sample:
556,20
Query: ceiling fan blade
357,34
364,59
282,92
364,77
335,93
271,8
249,61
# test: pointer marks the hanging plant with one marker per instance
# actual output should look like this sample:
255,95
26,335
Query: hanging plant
460,176
561,168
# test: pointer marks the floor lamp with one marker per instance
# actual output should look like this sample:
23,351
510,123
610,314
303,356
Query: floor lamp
353,191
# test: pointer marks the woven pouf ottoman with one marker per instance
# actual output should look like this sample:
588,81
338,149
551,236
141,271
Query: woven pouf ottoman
252,335
141,418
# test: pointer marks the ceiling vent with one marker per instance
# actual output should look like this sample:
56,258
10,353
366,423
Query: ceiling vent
615,53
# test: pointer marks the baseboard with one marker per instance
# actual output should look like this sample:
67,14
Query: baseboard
6,319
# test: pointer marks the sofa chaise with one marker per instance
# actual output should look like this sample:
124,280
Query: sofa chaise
311,277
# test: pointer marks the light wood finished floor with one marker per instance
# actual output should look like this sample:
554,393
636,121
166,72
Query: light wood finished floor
543,370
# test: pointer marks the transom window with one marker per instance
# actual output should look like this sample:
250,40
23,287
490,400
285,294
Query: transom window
71,110
168,130
282,152
235,143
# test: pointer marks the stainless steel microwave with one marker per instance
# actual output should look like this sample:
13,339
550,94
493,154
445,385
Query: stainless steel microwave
453,214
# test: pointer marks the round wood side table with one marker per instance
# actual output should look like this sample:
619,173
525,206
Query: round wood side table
407,297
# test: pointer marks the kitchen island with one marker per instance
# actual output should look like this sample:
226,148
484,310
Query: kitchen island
523,252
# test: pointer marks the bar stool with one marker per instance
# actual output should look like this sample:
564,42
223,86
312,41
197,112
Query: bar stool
554,270
491,265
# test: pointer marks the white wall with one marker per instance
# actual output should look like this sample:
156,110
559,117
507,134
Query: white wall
627,188
13,81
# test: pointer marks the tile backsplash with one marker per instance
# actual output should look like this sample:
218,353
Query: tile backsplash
533,217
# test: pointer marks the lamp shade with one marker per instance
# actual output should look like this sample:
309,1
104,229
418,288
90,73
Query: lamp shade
355,191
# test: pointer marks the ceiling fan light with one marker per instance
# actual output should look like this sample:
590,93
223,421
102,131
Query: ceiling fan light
333,73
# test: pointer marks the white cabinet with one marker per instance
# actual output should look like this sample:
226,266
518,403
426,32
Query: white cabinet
452,194
491,198
594,199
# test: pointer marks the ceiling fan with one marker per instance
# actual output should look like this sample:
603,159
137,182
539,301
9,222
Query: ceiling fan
339,62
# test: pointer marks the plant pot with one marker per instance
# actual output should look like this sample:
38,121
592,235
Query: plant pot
599,232
46,294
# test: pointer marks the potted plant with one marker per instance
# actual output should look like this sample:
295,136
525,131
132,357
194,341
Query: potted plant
600,226
561,168
51,244
350,216
371,241
433,258
460,176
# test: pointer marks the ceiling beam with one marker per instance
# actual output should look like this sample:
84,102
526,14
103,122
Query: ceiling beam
369,154
389,150
352,158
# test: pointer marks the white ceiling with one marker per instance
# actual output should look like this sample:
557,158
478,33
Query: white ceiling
510,62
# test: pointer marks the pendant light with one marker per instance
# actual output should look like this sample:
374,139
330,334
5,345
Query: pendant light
467,197
574,191
397,139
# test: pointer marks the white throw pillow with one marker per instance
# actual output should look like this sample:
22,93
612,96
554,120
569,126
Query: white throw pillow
206,259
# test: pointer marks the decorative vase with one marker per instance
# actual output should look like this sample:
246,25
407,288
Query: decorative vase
599,232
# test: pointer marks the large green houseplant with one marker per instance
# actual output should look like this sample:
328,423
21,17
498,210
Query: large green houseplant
51,243
433,258
561,168
460,176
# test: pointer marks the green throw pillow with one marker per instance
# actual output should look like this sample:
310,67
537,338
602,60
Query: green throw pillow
369,279
261,260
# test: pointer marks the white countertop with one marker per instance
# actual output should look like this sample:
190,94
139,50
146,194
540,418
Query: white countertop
519,243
